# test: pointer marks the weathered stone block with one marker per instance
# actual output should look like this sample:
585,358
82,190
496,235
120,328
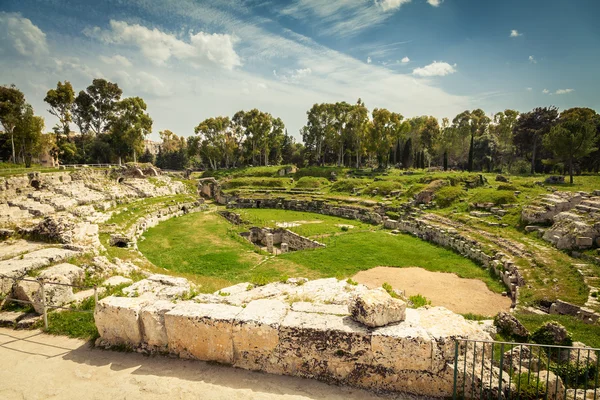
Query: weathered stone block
325,347
583,241
376,308
153,323
117,320
256,334
202,331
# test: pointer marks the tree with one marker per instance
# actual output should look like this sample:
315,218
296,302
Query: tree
212,143
128,126
28,134
358,128
318,126
573,137
471,123
502,129
12,102
383,133
105,97
61,101
82,111
531,127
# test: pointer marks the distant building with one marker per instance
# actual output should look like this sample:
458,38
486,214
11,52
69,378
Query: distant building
151,146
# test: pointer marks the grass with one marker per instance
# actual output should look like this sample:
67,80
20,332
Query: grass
207,246
580,332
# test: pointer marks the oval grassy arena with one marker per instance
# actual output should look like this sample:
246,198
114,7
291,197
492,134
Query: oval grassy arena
208,249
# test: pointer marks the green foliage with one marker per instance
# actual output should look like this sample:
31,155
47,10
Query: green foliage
256,182
419,301
349,281
529,386
310,182
388,288
383,187
344,228
447,195
507,186
348,185
497,197
392,215
475,317
259,280
543,335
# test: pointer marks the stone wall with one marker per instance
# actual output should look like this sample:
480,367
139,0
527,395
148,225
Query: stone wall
263,331
368,215
281,235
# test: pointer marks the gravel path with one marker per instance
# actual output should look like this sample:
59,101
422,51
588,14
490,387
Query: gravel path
443,289
39,366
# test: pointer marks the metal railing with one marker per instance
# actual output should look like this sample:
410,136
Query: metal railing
42,294
508,370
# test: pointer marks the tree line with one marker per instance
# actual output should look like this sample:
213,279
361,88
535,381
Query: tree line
541,140
112,129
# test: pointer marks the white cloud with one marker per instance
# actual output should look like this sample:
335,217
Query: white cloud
532,60
435,3
202,49
369,60
564,91
21,35
405,60
116,60
293,76
529,89
546,91
435,69
515,33
387,5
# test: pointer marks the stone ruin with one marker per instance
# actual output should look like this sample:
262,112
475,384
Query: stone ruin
48,218
325,329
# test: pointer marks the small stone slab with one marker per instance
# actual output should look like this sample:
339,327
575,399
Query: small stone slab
28,321
334,309
9,319
117,280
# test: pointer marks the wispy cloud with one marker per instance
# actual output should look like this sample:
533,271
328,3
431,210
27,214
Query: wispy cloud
387,5
529,89
435,3
564,91
405,60
435,69
532,60
369,60
117,59
515,33
546,91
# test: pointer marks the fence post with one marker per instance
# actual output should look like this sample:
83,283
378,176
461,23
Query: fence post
95,297
44,309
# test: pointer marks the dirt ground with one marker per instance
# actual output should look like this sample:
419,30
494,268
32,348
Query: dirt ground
39,366
443,289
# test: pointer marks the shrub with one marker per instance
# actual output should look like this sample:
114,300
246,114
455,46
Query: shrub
348,185
255,182
552,333
311,182
388,288
344,228
520,167
497,197
384,187
319,172
352,282
529,386
419,301
506,186
392,215
448,195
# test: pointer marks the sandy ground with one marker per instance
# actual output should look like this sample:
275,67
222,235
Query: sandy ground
443,289
39,366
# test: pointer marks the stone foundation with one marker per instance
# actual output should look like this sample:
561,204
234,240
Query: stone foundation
268,334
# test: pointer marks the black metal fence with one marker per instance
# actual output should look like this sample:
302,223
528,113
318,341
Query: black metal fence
506,370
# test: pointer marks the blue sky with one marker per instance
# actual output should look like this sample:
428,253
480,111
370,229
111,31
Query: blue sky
192,59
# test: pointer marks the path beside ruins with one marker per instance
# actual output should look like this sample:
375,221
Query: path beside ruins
40,366
443,289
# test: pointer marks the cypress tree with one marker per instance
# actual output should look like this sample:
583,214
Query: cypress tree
445,160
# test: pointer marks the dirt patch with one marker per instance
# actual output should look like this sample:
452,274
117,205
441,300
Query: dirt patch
443,289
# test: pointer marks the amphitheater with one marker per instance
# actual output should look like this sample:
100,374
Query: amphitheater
70,239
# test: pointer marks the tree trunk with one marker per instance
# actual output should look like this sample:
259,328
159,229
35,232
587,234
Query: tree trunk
12,142
571,170
533,156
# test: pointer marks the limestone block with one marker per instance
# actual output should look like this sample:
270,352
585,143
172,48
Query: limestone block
160,287
556,388
153,323
335,309
117,280
325,347
256,334
376,308
583,241
117,320
202,331
72,273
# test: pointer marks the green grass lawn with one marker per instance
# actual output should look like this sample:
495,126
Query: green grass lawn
311,224
208,247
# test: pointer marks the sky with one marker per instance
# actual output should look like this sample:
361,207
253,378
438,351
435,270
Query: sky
192,59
